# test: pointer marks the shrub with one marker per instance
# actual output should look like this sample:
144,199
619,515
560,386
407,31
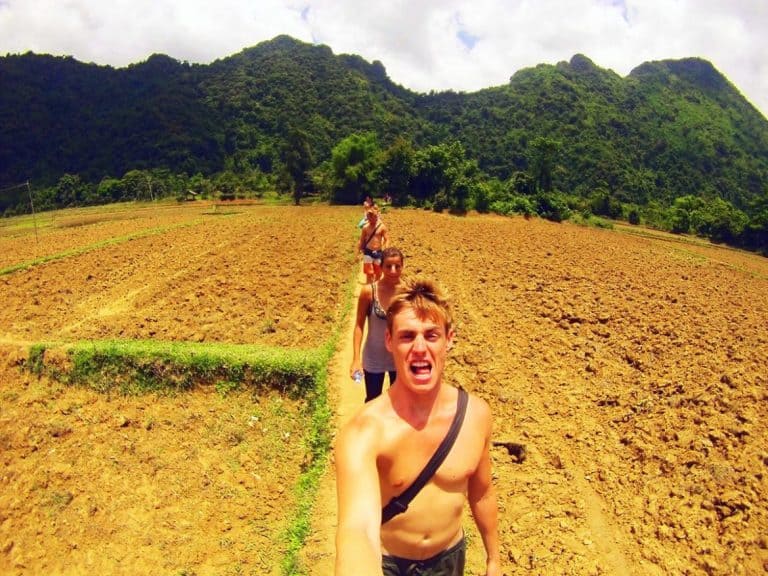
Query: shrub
482,198
552,206
680,222
440,202
514,205
603,204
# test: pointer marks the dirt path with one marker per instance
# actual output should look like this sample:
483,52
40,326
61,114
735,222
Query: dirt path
345,396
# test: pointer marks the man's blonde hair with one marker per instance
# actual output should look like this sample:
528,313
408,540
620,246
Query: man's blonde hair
425,298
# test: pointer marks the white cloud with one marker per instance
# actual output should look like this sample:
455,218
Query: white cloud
422,43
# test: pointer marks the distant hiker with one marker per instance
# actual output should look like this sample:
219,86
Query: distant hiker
368,203
396,515
372,306
373,239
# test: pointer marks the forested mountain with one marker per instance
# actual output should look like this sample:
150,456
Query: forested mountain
61,116
266,91
671,129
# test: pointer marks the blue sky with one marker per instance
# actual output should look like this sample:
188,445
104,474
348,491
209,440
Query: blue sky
424,44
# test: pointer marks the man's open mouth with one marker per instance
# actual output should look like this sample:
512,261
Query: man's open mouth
421,368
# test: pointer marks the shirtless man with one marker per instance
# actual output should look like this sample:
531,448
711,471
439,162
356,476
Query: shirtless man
383,448
374,237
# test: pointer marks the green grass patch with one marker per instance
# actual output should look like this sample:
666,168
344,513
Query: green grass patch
36,358
141,366
23,223
591,221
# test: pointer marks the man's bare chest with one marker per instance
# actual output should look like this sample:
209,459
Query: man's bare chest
407,457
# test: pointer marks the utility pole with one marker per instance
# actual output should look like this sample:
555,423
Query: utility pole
34,216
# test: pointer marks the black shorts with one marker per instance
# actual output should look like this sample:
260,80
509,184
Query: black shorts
374,254
449,562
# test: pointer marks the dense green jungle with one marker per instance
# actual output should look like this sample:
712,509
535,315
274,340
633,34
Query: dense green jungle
673,145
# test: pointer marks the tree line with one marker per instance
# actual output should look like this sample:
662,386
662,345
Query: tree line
439,177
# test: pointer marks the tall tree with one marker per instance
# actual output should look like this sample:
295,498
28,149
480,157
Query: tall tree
443,172
70,190
543,155
397,170
355,162
297,158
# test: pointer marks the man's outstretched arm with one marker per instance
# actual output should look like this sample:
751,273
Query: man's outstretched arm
358,543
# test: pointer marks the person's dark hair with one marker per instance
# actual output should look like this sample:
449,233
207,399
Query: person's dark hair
392,252
425,298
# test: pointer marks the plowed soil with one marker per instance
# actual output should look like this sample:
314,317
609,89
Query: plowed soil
631,367
244,274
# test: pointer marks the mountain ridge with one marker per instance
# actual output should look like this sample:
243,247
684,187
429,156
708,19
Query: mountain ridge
667,129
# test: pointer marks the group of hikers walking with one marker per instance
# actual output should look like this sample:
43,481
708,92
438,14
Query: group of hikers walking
410,458
383,267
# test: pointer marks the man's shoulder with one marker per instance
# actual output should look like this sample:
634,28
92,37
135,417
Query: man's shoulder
480,418
477,400
478,409
368,425
372,414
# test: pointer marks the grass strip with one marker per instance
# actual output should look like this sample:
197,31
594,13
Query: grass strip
104,243
141,366
138,367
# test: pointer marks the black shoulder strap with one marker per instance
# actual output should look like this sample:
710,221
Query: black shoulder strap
372,234
372,305
399,504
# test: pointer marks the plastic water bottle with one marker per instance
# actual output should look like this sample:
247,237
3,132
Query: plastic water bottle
357,376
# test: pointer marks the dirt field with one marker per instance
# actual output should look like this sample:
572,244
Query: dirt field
185,484
274,276
29,238
633,369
